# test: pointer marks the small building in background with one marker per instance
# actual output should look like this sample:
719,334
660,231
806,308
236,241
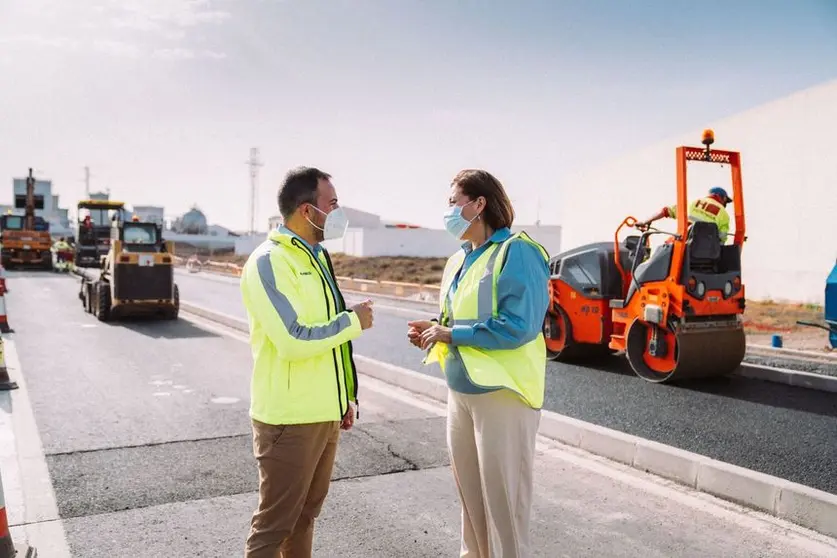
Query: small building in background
369,236
46,205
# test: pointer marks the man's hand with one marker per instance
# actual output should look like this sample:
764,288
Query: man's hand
364,313
435,334
348,419
417,327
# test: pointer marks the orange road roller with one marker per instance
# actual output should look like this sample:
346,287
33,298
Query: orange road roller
676,314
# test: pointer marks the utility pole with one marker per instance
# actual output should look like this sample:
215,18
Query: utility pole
87,182
254,163
538,212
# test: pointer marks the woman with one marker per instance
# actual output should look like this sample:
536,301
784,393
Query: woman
489,344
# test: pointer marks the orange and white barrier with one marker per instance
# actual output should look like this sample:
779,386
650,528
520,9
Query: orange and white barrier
6,383
7,547
4,319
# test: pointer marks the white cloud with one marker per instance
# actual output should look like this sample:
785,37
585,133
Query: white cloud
117,48
160,15
187,54
129,28
41,40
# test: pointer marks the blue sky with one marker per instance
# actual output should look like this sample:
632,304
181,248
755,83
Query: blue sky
164,98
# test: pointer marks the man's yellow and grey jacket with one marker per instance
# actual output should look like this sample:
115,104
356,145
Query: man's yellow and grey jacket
300,333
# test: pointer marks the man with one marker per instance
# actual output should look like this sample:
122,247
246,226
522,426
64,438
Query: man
304,379
711,208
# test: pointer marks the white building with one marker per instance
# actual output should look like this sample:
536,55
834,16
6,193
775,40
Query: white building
46,205
790,191
368,236
357,219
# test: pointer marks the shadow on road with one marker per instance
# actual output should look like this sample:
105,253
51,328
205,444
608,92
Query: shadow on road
734,387
164,329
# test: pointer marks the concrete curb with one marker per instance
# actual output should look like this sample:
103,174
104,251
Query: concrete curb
767,350
796,378
799,504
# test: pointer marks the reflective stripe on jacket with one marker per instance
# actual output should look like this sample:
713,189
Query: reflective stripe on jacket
707,209
521,369
300,334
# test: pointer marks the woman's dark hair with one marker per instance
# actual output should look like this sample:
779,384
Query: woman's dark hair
474,183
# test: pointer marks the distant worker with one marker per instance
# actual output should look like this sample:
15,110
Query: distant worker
711,208
62,250
304,378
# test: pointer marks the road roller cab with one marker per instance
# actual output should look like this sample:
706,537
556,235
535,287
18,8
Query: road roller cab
137,275
675,314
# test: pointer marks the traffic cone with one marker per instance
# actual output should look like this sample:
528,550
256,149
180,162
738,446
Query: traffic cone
6,384
7,547
4,319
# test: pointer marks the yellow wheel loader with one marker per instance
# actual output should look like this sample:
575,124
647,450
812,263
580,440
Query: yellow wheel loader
136,276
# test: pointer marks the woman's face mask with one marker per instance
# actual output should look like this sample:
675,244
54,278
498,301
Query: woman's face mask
455,223
335,224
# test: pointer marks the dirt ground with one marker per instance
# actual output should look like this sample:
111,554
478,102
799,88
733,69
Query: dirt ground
763,319
426,271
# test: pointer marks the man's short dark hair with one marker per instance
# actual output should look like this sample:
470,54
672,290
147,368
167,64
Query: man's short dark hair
299,187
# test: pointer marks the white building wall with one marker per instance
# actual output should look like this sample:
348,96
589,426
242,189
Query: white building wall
244,245
790,192
423,243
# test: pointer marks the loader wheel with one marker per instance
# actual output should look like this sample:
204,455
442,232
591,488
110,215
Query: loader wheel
174,312
88,298
102,301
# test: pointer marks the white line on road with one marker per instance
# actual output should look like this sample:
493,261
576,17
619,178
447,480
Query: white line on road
37,519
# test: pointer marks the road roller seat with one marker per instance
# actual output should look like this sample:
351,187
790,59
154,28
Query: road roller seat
703,246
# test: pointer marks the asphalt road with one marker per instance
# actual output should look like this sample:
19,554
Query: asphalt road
779,430
145,430
147,441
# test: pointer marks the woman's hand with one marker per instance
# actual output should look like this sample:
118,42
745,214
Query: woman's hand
417,327
435,334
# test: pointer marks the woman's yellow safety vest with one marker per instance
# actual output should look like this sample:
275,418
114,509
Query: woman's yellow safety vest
521,370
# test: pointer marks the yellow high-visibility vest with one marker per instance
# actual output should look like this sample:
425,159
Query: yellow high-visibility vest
707,209
300,334
521,370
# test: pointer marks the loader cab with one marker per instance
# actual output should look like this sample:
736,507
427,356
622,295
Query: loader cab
93,229
137,236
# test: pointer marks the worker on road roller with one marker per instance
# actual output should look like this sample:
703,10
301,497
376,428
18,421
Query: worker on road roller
711,208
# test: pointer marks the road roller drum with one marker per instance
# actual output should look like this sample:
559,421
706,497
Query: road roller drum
701,350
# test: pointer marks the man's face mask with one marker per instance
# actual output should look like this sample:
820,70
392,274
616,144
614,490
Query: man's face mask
335,224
